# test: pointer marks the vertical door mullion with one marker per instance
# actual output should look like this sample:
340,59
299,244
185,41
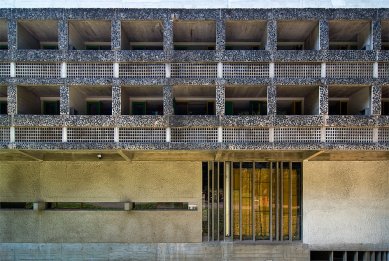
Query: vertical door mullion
240,201
217,203
277,201
224,201
213,200
232,199
271,202
290,201
252,200
209,198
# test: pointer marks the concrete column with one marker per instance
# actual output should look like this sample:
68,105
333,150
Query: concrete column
220,70
116,134
375,135
375,70
64,91
168,46
12,134
220,99
323,72
116,99
168,70
376,34
63,34
115,70
116,33
271,70
12,35
220,134
323,100
324,42
271,39
12,70
220,35
168,134
12,99
271,134
64,134
64,72
168,108
271,99
323,134
375,99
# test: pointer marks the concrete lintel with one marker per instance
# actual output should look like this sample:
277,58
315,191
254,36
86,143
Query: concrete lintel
30,155
126,155
317,153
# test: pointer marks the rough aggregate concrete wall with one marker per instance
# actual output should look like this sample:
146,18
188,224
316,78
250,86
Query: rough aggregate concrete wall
100,182
346,203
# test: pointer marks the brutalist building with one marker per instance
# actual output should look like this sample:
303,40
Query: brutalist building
194,134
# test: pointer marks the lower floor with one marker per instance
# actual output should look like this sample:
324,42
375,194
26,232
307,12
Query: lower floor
275,210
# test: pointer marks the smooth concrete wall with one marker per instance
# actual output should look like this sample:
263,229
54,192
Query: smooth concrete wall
195,4
100,182
346,203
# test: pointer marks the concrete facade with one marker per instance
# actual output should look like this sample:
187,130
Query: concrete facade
309,56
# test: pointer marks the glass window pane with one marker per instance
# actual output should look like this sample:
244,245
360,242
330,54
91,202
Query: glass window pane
262,201
235,198
247,214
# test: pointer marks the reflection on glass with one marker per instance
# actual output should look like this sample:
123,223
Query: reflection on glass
236,199
247,214
262,201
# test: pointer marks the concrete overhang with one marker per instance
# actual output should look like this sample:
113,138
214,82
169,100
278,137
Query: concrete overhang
178,155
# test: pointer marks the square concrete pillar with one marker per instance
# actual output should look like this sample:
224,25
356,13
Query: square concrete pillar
116,34
63,34
11,99
271,99
220,35
64,100
271,39
323,100
168,108
220,98
376,34
116,99
324,41
375,100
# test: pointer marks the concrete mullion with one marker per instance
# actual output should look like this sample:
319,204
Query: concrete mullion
12,35
168,108
323,100
168,46
220,99
271,39
324,35
116,99
375,101
220,35
12,99
376,34
116,34
271,99
64,100
63,34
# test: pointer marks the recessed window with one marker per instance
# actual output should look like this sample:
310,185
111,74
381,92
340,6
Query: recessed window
350,35
245,35
142,35
245,100
91,100
385,100
194,35
3,35
297,100
194,100
38,100
37,34
385,35
348,100
3,100
297,35
142,100
90,35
